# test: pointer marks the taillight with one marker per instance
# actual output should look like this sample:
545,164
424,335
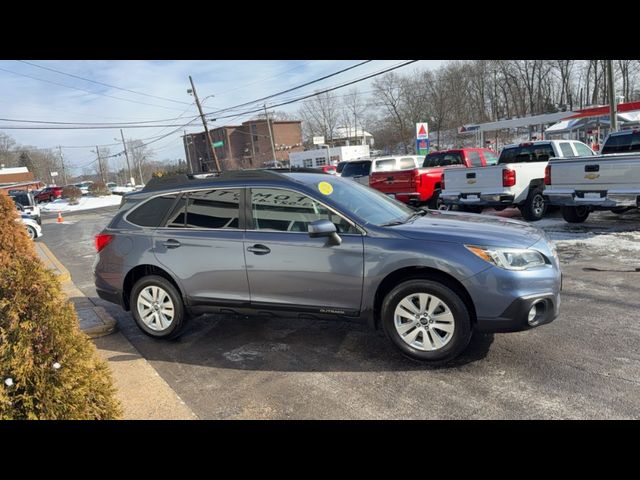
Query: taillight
416,178
102,240
508,178
547,175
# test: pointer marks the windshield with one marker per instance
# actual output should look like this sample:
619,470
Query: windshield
356,169
370,205
23,199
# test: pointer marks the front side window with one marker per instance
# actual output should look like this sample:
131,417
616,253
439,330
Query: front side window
151,213
289,211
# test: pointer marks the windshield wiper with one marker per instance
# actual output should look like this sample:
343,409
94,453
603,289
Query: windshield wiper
419,213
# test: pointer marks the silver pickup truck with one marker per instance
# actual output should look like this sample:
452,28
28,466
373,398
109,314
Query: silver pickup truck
610,181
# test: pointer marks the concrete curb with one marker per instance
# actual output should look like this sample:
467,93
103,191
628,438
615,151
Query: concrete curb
58,268
109,326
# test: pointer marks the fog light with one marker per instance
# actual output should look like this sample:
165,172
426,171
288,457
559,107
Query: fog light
536,313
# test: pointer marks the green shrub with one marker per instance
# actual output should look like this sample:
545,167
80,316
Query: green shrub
72,193
99,189
49,369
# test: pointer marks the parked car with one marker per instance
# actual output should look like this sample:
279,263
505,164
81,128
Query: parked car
610,181
28,203
422,186
34,230
517,180
313,246
359,170
48,194
84,186
111,186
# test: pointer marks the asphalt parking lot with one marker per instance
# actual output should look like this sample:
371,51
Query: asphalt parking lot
584,365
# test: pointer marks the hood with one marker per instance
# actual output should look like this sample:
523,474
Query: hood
471,229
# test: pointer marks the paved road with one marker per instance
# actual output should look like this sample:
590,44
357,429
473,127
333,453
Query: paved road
586,364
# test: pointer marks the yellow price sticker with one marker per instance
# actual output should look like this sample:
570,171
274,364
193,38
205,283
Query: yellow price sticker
325,188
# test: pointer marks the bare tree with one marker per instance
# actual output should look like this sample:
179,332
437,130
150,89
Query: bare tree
388,96
321,115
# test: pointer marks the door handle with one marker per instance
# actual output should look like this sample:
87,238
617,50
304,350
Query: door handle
471,175
259,249
592,168
171,243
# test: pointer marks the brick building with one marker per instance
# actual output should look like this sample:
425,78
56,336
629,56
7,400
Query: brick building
18,178
244,146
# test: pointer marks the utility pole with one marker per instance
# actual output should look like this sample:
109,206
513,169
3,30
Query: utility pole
64,173
273,147
100,163
140,169
126,154
186,142
613,107
212,150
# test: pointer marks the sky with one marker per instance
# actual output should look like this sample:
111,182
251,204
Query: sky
29,92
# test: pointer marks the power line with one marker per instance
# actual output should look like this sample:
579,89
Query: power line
87,91
101,83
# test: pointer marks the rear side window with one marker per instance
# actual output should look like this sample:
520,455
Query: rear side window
527,153
151,212
442,160
567,151
356,169
582,149
407,163
474,158
490,158
213,209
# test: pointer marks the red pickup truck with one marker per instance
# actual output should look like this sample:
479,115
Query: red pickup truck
422,185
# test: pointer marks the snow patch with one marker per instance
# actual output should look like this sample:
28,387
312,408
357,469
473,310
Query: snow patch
85,203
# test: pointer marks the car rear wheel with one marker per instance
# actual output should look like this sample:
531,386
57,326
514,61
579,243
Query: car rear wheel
535,206
157,307
426,321
575,214
436,202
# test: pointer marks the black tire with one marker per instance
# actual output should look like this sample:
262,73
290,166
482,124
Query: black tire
51,198
31,232
575,214
179,320
535,206
462,321
435,203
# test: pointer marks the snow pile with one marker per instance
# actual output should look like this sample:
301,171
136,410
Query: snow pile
85,203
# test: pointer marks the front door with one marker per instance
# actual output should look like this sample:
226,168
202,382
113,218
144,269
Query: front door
288,268
201,243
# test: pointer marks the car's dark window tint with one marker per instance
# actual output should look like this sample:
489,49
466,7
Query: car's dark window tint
288,211
442,160
151,213
356,169
213,209
527,153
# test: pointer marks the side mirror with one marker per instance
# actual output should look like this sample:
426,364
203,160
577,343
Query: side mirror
324,228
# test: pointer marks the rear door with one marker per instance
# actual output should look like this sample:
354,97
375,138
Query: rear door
289,269
201,243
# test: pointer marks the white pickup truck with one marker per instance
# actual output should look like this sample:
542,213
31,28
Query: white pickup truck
517,179
610,181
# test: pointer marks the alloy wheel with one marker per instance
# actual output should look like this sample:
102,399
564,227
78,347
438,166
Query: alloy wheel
424,321
155,308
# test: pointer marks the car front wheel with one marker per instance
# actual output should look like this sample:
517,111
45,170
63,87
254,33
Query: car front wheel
426,321
157,307
31,232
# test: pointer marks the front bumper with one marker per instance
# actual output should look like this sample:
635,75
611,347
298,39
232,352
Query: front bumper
515,317
594,198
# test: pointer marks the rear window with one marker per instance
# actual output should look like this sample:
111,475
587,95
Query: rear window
151,213
582,149
356,169
407,163
23,199
384,165
567,151
622,143
442,160
340,167
527,153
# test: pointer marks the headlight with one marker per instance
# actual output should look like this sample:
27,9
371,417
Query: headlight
509,258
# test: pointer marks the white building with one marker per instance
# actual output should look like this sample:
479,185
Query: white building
327,156
345,136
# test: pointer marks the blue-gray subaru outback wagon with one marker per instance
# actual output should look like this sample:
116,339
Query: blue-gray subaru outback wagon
310,244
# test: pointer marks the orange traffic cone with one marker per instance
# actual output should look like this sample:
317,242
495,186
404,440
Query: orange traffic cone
60,219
